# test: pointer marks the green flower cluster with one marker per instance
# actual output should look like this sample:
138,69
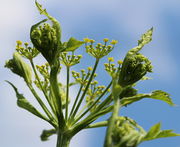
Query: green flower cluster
89,100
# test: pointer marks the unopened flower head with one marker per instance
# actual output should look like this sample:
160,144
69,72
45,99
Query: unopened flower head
114,42
120,62
86,40
105,39
90,68
110,59
19,42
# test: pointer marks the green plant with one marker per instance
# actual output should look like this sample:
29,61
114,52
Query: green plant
122,131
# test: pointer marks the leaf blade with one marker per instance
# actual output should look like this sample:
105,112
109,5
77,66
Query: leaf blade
73,44
157,94
22,102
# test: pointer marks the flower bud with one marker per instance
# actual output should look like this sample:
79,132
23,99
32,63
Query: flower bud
125,133
45,39
135,65
19,67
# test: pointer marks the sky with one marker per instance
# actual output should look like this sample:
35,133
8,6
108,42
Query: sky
124,21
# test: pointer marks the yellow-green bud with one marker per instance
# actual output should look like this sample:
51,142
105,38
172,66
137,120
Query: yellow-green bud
19,42
105,39
90,68
110,59
19,67
120,62
86,40
113,42
91,41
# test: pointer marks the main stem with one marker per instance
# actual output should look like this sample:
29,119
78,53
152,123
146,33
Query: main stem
108,140
67,93
62,140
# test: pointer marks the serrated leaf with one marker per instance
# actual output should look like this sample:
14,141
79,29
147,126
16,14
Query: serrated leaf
155,132
157,94
22,102
73,44
40,9
161,95
47,133
145,39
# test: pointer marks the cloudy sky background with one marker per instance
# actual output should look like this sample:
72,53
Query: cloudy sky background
124,21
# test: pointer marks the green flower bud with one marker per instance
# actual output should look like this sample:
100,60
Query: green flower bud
45,39
19,67
135,65
125,133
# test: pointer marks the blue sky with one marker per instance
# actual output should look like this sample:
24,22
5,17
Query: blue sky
124,21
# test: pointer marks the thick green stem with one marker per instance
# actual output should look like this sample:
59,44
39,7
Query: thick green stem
67,93
108,139
62,140
57,95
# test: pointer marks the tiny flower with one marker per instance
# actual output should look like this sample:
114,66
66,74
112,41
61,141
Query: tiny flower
113,42
105,39
91,41
111,59
86,40
120,62
26,43
19,42
79,56
82,70
90,68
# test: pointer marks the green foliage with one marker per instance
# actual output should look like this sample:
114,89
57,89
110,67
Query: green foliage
22,102
92,100
155,132
157,94
47,133
73,44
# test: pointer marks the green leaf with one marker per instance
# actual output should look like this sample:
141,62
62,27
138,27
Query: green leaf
73,44
47,133
129,100
146,38
155,132
41,10
161,95
158,95
167,133
22,102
